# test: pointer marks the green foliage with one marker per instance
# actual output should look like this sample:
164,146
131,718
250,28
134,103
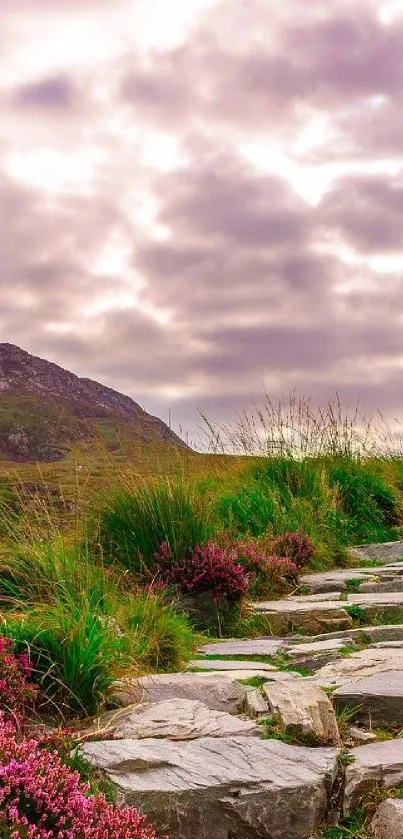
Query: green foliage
282,494
133,525
370,505
83,627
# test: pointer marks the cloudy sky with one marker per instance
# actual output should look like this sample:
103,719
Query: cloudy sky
202,199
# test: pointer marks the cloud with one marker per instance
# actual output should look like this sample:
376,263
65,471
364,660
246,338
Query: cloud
195,276
55,94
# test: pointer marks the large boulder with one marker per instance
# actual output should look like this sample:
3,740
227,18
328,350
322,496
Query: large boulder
240,787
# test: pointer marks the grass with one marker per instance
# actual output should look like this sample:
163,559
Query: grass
83,627
132,525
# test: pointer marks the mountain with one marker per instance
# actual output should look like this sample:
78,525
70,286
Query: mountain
45,410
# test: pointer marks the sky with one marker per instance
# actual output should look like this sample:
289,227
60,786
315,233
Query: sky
202,200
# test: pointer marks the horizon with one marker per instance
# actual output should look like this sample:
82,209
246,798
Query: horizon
201,200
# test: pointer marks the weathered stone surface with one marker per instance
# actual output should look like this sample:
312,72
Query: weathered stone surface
389,585
384,552
256,704
283,676
377,699
385,632
360,736
312,663
334,580
380,764
376,598
222,664
285,615
319,597
211,788
388,820
173,719
238,675
215,690
305,706
360,665
254,646
316,647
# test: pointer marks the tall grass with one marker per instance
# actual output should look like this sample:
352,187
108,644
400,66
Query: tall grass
83,628
132,525
293,426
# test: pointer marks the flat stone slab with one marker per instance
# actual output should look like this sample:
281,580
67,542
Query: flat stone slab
378,764
375,598
333,644
239,675
303,706
384,552
222,664
360,665
385,632
223,788
377,700
388,820
172,719
255,646
298,606
314,598
217,691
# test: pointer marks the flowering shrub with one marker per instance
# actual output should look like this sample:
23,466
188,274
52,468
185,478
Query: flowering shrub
268,575
210,568
17,692
40,798
297,546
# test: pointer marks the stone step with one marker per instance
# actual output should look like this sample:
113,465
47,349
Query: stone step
375,700
378,764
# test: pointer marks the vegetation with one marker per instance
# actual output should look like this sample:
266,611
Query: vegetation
111,568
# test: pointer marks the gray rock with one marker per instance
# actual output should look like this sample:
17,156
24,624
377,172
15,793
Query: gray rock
222,664
256,704
237,787
377,700
384,552
386,632
360,665
172,719
313,663
219,692
254,646
314,598
282,676
379,764
388,820
376,598
329,644
389,585
305,706
360,736
238,675
285,615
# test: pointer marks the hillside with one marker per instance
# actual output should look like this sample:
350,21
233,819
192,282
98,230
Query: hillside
45,410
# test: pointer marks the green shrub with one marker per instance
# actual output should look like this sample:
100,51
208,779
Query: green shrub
133,525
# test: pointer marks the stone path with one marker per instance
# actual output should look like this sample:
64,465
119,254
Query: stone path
187,748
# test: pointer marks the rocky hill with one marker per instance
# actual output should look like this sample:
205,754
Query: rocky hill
44,410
